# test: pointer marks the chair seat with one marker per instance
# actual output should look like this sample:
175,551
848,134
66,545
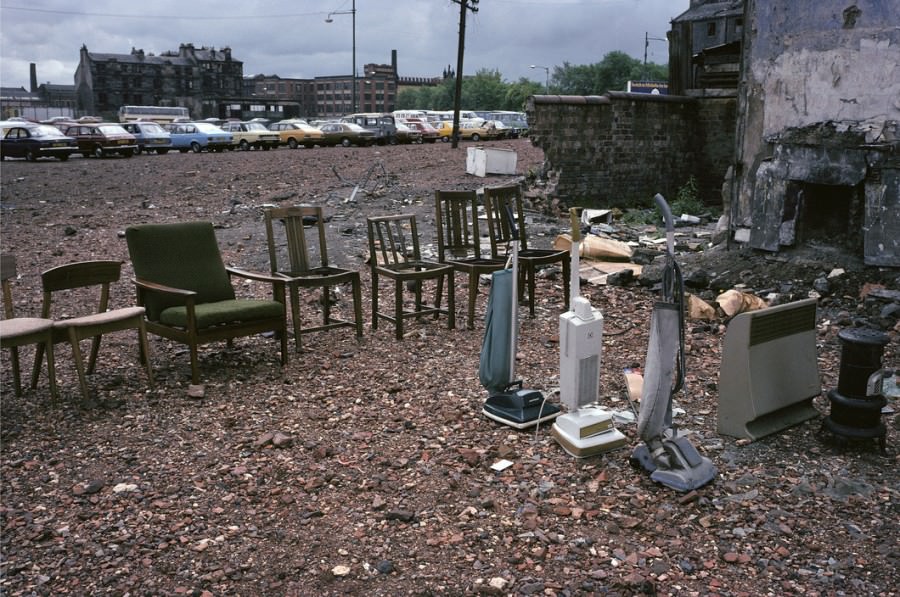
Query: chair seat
19,327
105,318
223,312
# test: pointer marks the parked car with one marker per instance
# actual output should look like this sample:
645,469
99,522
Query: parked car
33,141
444,130
150,136
197,136
251,135
294,133
383,125
346,134
477,130
100,139
407,134
429,133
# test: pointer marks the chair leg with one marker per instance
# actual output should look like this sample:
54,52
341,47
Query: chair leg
295,315
451,300
374,300
95,350
531,285
473,294
38,360
357,305
79,364
326,305
195,373
398,309
17,375
51,370
144,351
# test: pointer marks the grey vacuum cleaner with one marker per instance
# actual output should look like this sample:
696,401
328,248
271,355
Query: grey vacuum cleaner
669,458
508,402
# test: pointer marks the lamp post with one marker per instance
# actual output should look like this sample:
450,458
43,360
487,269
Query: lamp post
647,40
328,19
547,71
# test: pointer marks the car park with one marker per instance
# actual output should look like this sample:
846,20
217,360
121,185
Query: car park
33,141
251,135
100,139
150,136
197,136
294,133
346,134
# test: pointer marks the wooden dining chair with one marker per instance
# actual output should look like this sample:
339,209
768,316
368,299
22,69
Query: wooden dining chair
92,275
307,265
503,205
394,254
459,241
23,331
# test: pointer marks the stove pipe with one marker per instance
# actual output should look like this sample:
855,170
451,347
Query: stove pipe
857,402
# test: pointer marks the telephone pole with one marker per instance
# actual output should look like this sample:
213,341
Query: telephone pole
464,5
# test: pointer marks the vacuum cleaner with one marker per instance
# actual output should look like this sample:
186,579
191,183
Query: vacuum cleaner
586,429
669,457
508,402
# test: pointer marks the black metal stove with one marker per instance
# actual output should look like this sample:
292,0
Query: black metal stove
857,402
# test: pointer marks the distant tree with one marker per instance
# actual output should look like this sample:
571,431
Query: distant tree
610,74
518,92
484,91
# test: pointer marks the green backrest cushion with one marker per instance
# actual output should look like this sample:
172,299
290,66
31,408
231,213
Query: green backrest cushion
183,255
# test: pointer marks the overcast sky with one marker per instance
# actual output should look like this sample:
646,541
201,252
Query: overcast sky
290,38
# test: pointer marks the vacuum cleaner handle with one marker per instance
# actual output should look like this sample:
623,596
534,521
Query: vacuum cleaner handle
670,222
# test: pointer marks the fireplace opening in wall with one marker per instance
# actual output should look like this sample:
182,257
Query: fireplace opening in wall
821,212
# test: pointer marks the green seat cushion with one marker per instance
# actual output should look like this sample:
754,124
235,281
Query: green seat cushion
221,312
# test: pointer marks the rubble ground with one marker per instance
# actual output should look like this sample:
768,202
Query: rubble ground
364,468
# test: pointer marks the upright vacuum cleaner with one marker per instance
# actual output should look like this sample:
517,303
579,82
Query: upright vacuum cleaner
508,402
586,429
669,458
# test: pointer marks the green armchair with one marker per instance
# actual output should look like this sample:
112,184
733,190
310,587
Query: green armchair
187,292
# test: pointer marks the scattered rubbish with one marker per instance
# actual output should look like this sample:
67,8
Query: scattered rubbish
734,301
501,465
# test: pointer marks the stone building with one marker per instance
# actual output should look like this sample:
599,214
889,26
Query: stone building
201,79
818,141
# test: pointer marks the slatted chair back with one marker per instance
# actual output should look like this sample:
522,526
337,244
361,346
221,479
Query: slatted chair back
394,240
304,233
456,221
499,203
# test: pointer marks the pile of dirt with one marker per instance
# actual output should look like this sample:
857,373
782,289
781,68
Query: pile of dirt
365,467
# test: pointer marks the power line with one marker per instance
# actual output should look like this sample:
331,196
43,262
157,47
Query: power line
167,17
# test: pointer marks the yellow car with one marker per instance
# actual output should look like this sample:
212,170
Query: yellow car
294,133
475,130
444,129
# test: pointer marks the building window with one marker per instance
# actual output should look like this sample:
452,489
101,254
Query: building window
738,26
711,29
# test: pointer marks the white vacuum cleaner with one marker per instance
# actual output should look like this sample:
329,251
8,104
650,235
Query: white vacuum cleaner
670,458
586,429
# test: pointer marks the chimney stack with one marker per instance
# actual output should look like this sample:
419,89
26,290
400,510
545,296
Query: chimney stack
34,84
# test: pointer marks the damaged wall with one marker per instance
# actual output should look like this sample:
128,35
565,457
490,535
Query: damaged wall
622,148
819,105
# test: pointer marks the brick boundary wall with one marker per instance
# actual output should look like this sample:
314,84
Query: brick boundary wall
619,149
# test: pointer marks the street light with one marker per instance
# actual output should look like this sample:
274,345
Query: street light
547,71
328,19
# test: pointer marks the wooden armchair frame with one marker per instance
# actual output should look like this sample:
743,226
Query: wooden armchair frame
187,290
90,274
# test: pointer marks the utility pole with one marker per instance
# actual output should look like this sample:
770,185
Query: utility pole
464,5
647,39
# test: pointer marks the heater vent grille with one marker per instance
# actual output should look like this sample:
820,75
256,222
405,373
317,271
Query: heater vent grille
588,379
768,327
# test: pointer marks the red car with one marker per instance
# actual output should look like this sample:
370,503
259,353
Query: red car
100,139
